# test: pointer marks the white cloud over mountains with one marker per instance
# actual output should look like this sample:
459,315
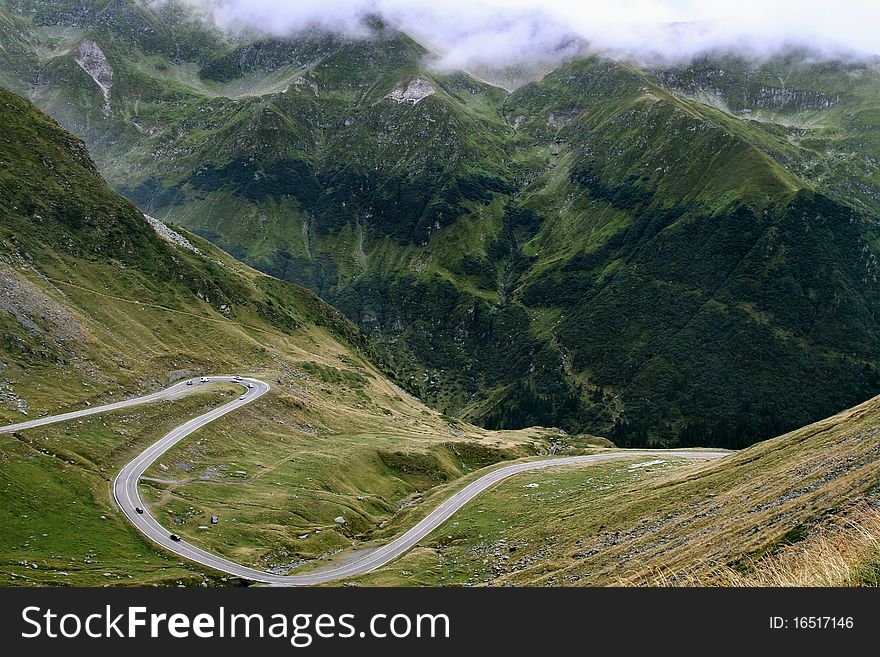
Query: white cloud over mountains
510,31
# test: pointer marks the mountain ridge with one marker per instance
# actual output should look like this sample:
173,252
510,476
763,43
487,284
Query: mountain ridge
505,251
100,304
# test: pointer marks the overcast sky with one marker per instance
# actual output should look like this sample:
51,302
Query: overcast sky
505,31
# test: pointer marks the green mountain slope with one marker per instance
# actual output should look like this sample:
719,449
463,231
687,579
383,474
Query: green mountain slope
656,521
98,304
663,256
699,279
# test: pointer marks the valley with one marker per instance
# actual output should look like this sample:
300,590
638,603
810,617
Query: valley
540,256
616,324
127,496
661,522
104,308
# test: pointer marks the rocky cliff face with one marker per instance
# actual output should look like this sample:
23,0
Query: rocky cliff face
413,92
93,61
747,97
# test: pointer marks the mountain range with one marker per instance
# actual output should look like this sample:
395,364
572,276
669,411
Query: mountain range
656,255
100,303
659,255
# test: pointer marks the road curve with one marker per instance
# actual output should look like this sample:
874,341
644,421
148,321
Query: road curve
165,393
128,498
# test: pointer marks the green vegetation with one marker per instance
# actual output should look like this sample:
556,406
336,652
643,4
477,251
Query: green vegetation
657,520
663,257
61,526
278,488
98,307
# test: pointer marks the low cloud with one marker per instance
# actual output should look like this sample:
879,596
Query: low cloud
511,32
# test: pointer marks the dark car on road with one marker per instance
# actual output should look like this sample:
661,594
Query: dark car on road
174,537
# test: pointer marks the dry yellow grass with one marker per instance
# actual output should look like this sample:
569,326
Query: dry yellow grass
684,524
844,551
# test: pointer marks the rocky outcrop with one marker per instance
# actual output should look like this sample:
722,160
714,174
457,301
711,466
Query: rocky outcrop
91,59
415,91
37,312
306,82
169,235
721,89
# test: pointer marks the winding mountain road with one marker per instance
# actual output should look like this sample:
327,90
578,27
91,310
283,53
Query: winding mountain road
125,490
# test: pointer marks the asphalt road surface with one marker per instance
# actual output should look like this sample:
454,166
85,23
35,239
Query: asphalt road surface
125,490
167,393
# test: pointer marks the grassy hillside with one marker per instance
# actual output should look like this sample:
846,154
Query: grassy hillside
818,120
681,256
96,306
657,521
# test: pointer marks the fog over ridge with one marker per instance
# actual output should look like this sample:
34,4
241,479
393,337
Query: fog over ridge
509,32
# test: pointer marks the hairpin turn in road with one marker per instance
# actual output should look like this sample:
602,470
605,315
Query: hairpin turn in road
125,489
